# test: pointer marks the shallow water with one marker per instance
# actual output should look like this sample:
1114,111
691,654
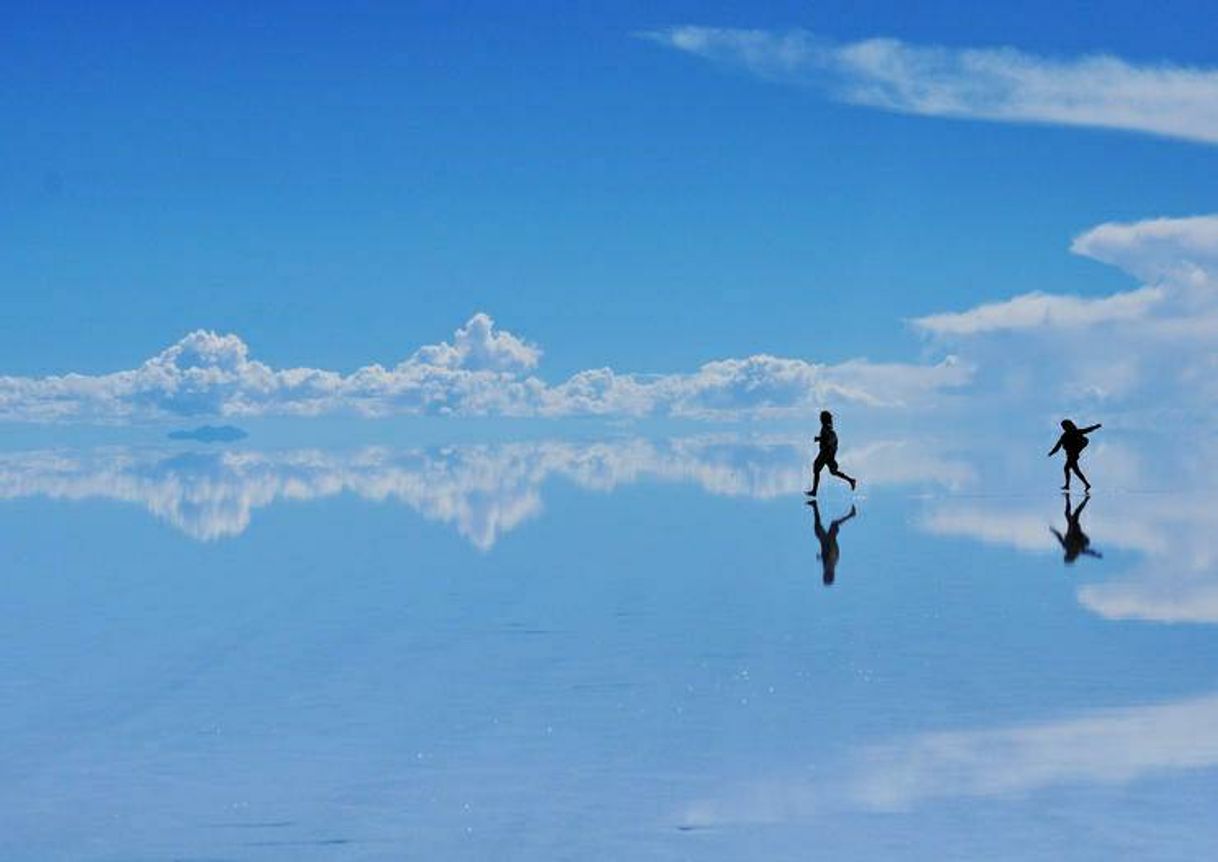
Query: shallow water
607,649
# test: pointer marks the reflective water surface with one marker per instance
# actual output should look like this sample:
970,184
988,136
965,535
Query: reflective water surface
623,648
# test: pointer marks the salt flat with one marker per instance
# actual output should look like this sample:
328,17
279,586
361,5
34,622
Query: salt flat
603,648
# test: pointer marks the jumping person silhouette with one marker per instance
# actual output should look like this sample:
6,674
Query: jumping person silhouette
829,551
827,456
1075,542
1074,441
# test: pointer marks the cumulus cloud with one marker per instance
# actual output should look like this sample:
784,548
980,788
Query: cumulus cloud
478,347
1000,84
1150,347
1181,251
483,491
483,372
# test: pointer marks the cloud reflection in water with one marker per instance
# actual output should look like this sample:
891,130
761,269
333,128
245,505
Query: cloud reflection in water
484,491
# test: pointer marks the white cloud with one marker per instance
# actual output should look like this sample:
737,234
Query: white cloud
1161,596
1042,310
478,347
1113,746
1103,746
1179,252
1148,348
1001,84
483,372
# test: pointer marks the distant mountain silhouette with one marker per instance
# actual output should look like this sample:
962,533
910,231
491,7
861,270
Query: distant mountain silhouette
210,434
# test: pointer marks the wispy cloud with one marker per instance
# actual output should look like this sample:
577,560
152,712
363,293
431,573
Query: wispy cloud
1042,310
1002,84
482,372
1103,746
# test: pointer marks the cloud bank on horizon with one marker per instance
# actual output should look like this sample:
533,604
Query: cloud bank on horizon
483,372
999,84
1149,347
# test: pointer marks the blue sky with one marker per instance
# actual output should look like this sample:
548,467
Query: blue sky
339,186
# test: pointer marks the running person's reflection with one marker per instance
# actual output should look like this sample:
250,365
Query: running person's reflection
1075,542
829,551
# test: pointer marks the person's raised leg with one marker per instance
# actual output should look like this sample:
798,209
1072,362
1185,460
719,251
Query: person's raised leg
839,474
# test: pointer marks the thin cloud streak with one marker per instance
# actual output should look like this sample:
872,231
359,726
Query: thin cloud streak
1098,747
1000,83
1038,311
1115,746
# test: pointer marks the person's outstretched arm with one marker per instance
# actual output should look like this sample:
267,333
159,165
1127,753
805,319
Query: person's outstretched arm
1056,446
1060,538
1090,428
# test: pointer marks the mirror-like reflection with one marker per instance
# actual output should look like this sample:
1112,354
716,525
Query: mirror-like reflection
830,551
1109,747
1075,541
348,676
484,491
1164,542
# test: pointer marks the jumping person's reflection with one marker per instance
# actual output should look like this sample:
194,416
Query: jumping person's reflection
829,551
1075,541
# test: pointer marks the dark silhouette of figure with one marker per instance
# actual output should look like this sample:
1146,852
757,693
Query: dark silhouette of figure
1073,441
827,456
1075,542
829,551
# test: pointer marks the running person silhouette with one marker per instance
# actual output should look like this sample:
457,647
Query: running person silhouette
827,456
1073,441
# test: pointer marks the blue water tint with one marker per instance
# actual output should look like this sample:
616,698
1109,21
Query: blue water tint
600,649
